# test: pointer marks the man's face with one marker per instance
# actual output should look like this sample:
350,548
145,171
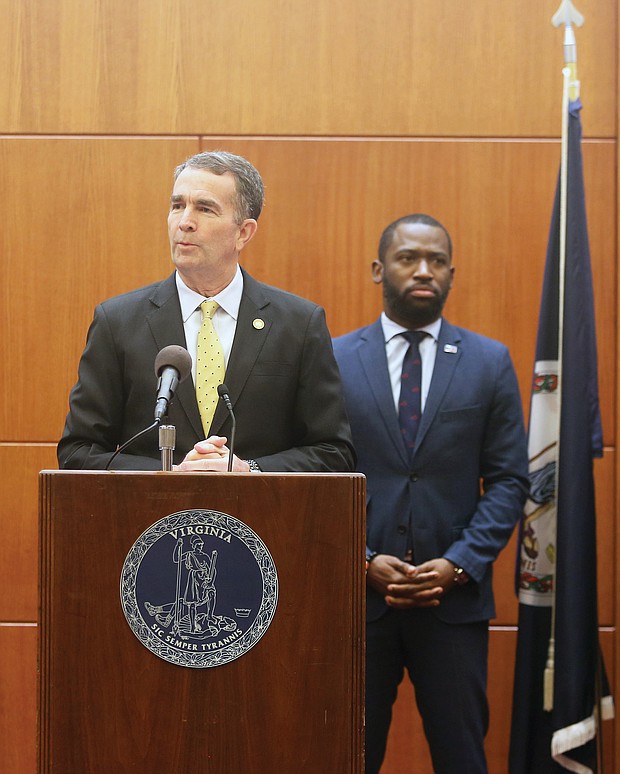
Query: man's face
205,239
416,274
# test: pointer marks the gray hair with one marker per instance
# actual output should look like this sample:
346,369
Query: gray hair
250,191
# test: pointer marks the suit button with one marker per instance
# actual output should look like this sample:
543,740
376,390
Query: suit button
413,477
402,530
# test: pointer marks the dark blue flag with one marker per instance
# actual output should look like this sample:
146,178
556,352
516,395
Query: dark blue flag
560,686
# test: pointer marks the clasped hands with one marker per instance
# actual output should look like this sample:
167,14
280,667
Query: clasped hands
212,455
404,585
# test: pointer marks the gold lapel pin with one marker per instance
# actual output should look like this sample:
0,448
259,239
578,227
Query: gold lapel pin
258,324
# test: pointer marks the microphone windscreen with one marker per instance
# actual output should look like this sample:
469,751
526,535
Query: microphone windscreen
175,357
222,390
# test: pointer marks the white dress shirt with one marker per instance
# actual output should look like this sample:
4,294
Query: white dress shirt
396,346
224,319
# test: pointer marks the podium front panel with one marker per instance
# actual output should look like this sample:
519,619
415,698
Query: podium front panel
292,703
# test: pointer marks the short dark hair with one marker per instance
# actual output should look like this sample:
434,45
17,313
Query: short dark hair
418,217
249,186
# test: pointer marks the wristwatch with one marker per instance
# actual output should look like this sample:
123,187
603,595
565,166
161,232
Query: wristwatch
370,555
460,576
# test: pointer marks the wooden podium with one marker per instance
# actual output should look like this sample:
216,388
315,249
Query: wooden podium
292,703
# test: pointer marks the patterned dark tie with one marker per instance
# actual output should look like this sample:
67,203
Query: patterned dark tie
410,401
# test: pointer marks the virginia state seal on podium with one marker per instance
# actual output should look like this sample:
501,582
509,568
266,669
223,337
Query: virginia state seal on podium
199,588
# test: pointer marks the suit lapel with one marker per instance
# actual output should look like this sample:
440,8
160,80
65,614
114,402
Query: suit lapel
166,325
374,363
446,360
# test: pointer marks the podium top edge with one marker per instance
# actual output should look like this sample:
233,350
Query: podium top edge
52,472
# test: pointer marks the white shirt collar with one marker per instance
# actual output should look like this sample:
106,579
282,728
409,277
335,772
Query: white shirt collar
229,299
392,329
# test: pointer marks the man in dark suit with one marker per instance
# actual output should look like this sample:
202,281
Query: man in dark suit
279,366
445,488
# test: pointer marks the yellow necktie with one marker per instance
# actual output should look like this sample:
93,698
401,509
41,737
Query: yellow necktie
210,367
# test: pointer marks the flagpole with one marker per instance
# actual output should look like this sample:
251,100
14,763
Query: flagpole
557,575
567,15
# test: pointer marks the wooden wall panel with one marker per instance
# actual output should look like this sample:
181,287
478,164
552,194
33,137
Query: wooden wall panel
79,257
376,67
407,748
102,232
18,699
606,489
19,526
85,219
494,197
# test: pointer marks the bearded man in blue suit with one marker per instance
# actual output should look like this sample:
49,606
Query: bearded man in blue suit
442,498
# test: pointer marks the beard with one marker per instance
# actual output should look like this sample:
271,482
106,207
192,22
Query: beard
415,312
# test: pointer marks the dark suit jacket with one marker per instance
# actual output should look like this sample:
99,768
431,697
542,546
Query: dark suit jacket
471,431
282,379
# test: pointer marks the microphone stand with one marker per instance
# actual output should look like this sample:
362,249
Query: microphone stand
222,391
173,365
231,445
167,440
129,441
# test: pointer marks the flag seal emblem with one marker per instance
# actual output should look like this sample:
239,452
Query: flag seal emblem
199,588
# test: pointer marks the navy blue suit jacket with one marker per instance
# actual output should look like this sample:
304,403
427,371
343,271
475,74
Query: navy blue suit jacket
465,488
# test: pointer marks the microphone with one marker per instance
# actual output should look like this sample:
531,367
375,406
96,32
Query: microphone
173,365
222,391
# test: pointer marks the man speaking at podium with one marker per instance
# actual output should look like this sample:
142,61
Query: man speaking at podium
272,349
